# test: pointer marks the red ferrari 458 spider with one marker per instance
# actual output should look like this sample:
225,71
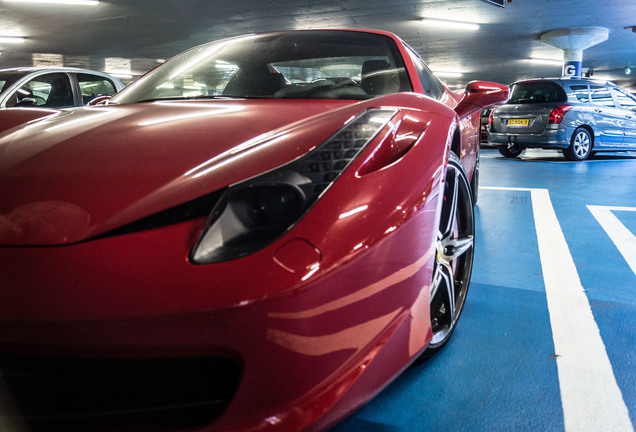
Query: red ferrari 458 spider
258,235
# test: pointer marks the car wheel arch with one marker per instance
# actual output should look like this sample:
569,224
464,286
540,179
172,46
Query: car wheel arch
588,127
456,144
591,132
456,148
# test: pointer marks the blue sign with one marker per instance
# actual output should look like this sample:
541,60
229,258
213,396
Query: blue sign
573,68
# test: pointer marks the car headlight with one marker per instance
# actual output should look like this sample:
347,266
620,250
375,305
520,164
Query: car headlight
252,214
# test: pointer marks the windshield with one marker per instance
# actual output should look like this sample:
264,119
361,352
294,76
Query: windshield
532,92
302,64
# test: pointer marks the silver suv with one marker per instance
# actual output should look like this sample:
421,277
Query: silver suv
579,116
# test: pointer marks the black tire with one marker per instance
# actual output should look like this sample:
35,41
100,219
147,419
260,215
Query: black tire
580,145
511,152
454,258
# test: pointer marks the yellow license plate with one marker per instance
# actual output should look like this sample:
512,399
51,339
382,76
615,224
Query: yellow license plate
518,122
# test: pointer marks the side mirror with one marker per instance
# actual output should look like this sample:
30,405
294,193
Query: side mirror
100,100
27,102
480,95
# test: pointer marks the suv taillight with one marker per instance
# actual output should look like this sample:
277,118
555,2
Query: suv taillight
490,117
556,116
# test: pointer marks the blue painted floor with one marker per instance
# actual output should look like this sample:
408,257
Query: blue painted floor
499,371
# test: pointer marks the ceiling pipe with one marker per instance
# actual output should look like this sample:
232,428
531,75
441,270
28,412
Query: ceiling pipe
573,41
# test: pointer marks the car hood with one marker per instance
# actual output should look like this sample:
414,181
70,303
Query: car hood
77,174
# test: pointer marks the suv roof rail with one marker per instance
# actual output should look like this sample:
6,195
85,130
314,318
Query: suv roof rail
567,78
590,79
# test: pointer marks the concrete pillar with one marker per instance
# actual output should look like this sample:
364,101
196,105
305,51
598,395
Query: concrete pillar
573,41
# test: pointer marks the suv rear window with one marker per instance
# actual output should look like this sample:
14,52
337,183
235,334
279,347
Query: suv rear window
536,92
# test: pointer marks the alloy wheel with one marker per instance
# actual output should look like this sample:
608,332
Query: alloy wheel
580,146
454,258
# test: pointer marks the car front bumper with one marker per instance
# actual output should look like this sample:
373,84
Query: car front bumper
290,349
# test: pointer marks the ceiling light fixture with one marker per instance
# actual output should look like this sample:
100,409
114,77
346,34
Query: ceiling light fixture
450,25
11,39
628,70
121,75
447,74
65,2
546,61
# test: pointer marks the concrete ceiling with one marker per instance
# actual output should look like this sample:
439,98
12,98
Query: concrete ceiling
135,34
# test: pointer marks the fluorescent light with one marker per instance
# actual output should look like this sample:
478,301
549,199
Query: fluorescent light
66,2
448,74
11,39
450,25
547,61
120,75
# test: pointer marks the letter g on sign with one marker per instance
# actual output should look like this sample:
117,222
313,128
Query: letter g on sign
572,68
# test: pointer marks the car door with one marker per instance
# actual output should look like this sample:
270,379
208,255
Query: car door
49,90
609,120
627,104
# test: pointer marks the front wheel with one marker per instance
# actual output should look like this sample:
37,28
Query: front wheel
580,145
510,151
454,258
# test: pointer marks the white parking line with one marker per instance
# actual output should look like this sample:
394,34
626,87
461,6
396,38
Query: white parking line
590,396
623,238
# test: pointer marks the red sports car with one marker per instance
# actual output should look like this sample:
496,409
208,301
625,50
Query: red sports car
258,235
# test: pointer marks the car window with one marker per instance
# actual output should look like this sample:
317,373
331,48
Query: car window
581,92
8,77
93,86
50,90
531,92
303,65
34,93
430,83
625,100
310,70
601,96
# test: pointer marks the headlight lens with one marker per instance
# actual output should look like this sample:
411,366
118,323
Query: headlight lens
254,213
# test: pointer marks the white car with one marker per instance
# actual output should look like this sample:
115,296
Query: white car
54,87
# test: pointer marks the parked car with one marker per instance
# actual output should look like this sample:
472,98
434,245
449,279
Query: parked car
483,126
576,115
54,87
259,234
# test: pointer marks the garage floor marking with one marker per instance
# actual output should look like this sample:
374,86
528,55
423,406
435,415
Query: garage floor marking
591,398
623,238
